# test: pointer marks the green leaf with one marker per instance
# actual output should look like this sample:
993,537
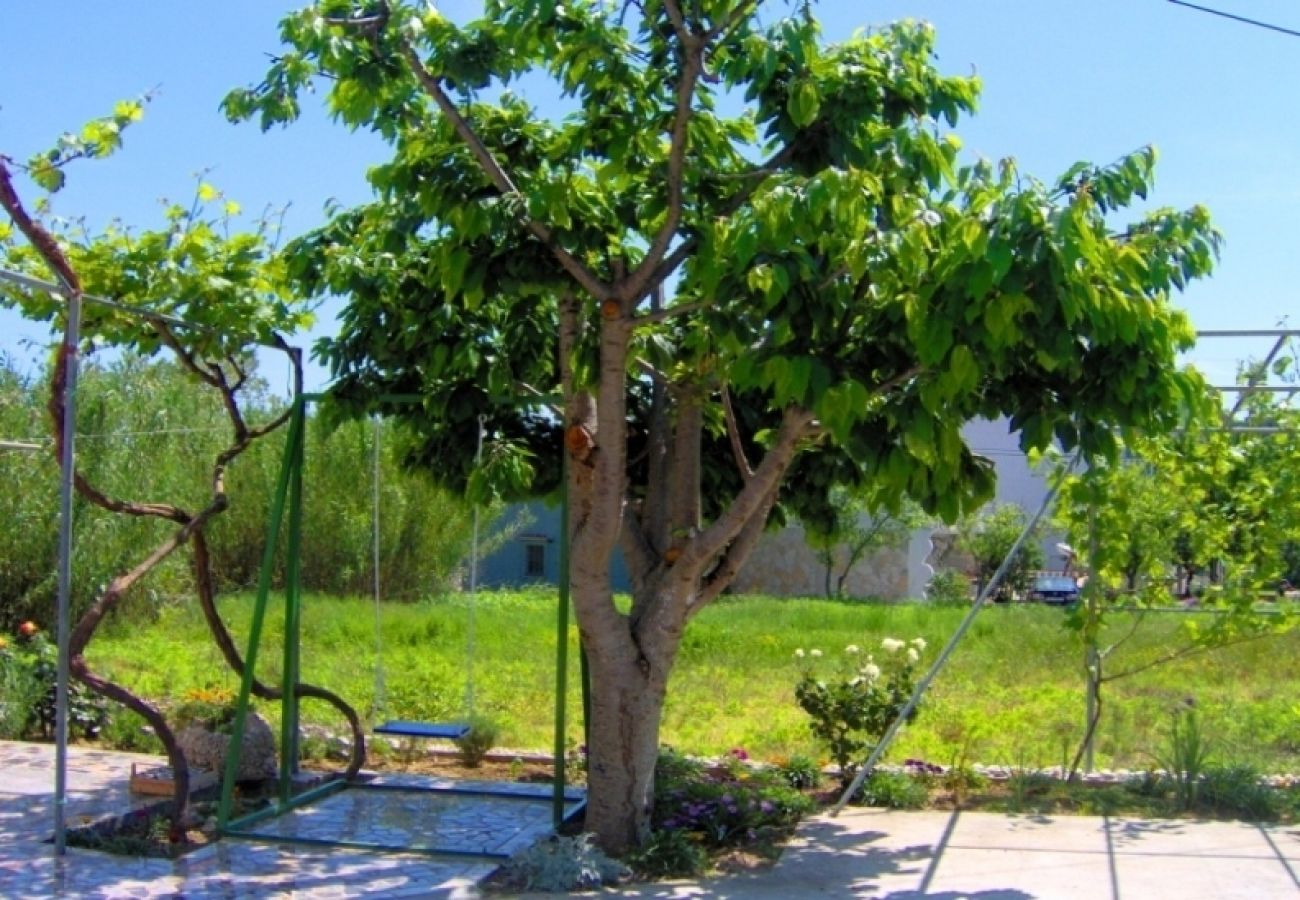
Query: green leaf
804,103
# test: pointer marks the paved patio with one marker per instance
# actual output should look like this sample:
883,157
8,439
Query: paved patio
97,786
986,856
863,853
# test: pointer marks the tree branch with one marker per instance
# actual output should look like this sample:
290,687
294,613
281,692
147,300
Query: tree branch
733,435
662,315
498,176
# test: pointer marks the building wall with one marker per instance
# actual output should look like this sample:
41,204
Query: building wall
782,564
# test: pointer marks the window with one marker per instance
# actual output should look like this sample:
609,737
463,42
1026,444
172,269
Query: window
535,560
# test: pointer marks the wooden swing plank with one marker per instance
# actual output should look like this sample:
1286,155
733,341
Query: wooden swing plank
405,728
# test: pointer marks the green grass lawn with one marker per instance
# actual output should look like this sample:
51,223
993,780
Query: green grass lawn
1011,694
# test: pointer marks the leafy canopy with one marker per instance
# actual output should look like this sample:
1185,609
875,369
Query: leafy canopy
824,242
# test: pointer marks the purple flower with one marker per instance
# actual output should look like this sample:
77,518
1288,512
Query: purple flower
766,806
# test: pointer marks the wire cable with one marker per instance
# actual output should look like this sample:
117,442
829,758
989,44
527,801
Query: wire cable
1236,18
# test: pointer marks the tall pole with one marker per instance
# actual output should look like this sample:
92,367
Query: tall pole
67,462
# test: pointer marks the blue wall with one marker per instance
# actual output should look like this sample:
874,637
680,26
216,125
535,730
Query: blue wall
508,566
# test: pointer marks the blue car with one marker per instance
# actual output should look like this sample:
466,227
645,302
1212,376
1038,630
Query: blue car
1061,590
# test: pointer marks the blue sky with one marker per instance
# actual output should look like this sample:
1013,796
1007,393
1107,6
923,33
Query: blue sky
1062,82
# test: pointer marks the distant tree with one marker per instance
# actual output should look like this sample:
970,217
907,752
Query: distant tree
989,536
856,533
845,294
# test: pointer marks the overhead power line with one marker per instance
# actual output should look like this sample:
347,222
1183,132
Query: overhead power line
1236,18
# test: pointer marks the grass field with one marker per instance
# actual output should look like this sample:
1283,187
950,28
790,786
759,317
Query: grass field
1011,694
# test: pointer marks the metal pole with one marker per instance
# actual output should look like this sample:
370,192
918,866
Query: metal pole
1092,657
561,647
71,340
924,684
470,624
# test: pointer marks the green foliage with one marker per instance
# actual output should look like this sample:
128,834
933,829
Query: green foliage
723,808
800,772
1184,757
893,790
126,731
670,853
474,746
733,686
948,587
989,537
853,531
1067,317
851,710
1237,791
29,665
130,409
563,865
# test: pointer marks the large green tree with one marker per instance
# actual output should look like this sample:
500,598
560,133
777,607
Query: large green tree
734,258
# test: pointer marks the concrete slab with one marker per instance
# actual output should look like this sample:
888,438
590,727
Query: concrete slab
1181,837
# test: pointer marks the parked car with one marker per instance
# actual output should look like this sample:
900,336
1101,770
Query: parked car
1059,589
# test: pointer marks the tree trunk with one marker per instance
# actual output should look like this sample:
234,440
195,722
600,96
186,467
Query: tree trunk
626,708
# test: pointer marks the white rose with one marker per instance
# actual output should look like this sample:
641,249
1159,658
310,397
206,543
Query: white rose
891,645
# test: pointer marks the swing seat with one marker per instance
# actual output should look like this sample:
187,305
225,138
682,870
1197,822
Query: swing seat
404,728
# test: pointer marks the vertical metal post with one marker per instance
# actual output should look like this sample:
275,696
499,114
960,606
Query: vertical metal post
1091,657
561,646
292,614
471,624
71,340
259,614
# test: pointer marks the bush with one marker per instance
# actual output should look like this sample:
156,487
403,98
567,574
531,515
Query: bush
29,668
893,790
474,746
1236,790
948,587
670,853
852,710
125,730
563,865
800,772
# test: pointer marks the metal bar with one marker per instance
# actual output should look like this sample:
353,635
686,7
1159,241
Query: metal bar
1249,332
272,810
923,685
259,614
561,646
292,617
1251,388
1272,354
570,797
39,284
67,464
366,845
19,445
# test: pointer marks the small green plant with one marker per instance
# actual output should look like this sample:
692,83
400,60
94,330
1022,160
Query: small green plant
1184,756
563,865
800,772
474,746
852,708
1237,790
893,790
126,731
948,587
670,853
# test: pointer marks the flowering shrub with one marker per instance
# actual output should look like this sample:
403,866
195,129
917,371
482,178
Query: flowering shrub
852,707
715,808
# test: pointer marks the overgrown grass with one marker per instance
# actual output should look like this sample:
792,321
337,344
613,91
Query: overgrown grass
1012,693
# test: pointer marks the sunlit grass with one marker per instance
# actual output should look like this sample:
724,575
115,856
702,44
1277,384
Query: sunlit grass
1011,693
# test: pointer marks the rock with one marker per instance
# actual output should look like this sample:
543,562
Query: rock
205,749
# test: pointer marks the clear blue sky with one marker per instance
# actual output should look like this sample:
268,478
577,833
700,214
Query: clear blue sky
1062,82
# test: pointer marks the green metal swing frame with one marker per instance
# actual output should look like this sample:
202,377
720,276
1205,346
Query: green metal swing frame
288,502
